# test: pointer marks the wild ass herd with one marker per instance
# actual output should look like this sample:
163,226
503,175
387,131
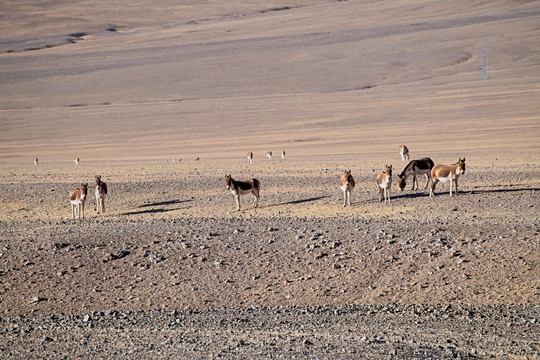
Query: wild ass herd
424,166
415,168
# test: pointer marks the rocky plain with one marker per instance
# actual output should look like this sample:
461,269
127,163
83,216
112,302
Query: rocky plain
164,101
173,270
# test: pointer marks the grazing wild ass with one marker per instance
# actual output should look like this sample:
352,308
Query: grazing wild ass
238,188
450,173
101,191
250,157
269,155
36,162
384,181
404,153
77,198
283,154
416,168
346,184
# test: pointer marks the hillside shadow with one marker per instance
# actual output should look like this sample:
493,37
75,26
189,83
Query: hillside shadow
156,210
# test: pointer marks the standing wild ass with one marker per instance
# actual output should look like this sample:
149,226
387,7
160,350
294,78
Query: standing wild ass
101,191
384,181
404,153
450,173
238,188
346,184
77,198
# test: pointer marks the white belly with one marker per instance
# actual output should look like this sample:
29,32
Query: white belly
235,192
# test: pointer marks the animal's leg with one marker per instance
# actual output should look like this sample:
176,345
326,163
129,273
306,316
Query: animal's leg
256,201
433,183
82,209
72,211
344,198
237,198
103,205
388,194
427,181
349,197
414,182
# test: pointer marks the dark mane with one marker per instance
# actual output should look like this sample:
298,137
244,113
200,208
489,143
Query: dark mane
406,168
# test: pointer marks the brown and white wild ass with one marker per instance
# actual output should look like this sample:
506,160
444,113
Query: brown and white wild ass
77,198
346,184
238,188
101,191
269,155
444,173
250,157
283,154
76,161
36,162
404,153
384,181
416,168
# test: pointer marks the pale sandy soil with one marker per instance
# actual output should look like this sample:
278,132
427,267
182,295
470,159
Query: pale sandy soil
337,85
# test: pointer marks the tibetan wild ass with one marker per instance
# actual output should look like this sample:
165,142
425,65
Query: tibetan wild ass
416,168
346,184
77,198
238,188
446,173
384,181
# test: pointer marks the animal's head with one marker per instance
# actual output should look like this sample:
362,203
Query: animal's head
389,170
345,178
98,179
461,166
84,190
228,181
402,183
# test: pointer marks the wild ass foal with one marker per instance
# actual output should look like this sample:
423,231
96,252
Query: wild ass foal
101,191
238,188
77,198
346,184
446,173
269,155
384,181
416,168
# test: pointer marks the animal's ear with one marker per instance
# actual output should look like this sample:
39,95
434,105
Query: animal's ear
463,159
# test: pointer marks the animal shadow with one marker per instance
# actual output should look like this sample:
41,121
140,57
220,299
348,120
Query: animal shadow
156,207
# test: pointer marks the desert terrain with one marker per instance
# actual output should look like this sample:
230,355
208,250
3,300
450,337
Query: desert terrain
163,102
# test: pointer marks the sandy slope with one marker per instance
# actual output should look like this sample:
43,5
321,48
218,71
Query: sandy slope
340,78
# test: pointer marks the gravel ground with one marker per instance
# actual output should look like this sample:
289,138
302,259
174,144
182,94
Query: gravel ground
171,270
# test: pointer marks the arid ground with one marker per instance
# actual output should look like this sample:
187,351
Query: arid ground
164,101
